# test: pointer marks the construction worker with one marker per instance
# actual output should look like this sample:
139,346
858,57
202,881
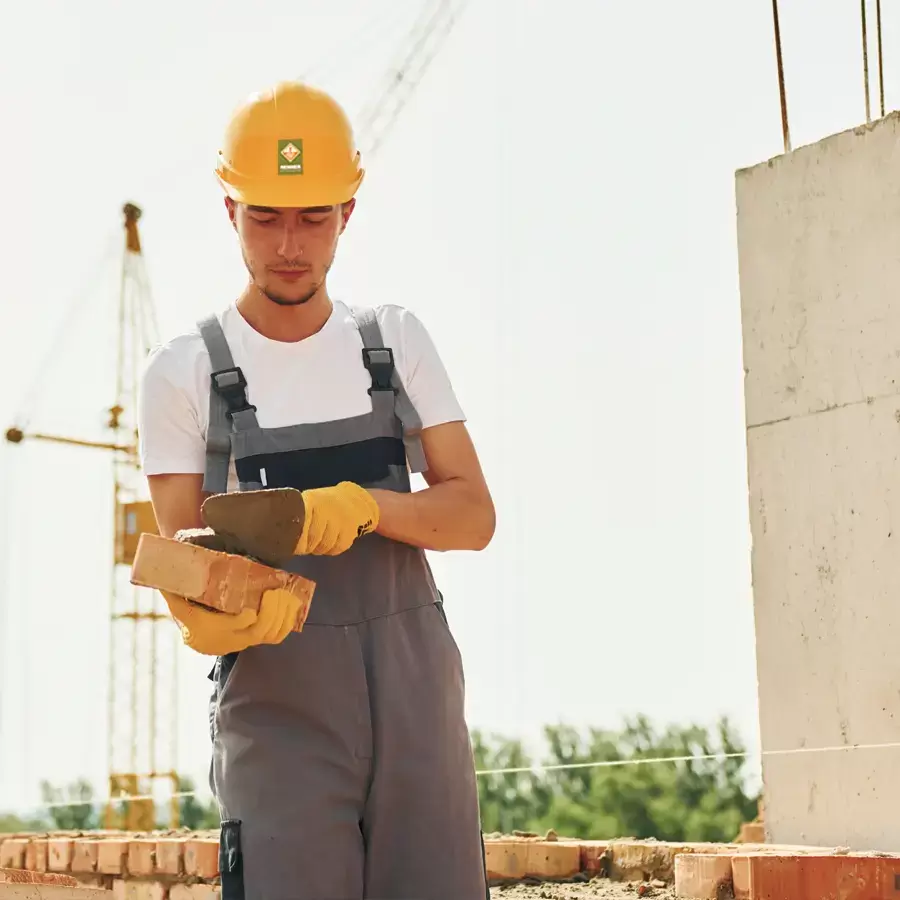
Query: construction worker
341,760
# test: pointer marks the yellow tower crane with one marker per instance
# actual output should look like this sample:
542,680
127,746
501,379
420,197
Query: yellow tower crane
141,731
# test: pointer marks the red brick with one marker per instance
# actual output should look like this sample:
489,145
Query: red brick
84,855
702,876
652,860
169,855
12,853
552,860
20,876
772,876
59,854
201,857
594,857
111,856
36,855
506,860
222,581
141,856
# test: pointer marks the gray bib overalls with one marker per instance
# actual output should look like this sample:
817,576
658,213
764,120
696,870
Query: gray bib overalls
341,760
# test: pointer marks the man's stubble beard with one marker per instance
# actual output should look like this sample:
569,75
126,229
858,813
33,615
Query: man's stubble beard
284,301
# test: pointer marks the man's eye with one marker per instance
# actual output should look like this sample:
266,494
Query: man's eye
268,221
315,220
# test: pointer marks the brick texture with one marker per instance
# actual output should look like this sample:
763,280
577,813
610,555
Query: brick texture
184,866
84,855
222,581
201,857
12,853
700,876
142,857
51,892
169,856
21,876
112,855
772,876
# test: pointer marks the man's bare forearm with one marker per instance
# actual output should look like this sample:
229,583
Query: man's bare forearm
452,515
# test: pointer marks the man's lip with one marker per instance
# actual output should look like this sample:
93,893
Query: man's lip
290,273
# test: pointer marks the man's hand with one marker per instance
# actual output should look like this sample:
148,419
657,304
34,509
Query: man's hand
335,518
275,524
215,633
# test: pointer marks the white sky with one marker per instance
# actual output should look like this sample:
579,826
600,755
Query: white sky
556,203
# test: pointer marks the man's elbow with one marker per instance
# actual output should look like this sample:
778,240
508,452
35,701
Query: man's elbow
484,524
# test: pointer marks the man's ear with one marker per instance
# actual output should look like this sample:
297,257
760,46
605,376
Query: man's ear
231,206
347,211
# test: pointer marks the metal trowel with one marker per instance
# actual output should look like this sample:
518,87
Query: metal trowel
265,525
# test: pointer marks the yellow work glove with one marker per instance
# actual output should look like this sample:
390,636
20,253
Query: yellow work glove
335,517
214,633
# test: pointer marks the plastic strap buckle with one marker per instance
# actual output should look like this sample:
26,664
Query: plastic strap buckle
380,363
231,386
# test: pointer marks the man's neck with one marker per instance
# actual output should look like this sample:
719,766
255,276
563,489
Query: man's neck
288,324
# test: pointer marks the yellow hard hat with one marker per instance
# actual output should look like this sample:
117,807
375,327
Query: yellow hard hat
291,145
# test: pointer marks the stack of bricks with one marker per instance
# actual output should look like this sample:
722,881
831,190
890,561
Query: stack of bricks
163,866
184,866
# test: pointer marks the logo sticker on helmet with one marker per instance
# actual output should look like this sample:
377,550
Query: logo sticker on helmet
290,157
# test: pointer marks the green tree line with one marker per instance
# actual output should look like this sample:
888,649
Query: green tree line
687,800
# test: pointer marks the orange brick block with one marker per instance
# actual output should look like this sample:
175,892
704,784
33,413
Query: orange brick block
222,581
112,856
20,876
141,856
770,876
594,857
506,860
12,853
36,855
169,856
652,860
84,855
201,857
700,876
59,854
547,860
551,860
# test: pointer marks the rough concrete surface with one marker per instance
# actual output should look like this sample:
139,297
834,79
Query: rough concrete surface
595,889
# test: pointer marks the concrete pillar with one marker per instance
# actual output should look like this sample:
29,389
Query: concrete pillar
819,258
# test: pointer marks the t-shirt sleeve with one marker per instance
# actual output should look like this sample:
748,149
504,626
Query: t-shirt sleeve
171,440
425,377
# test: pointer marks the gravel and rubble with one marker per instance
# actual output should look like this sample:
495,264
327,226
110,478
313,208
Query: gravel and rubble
593,889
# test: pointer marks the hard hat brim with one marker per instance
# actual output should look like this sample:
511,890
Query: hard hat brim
288,193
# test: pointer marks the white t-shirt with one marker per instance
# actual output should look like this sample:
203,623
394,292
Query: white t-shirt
318,379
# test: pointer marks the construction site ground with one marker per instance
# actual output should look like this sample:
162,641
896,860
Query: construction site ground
592,889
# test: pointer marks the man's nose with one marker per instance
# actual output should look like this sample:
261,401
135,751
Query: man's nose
291,244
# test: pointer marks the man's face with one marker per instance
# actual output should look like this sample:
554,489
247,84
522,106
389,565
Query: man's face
288,251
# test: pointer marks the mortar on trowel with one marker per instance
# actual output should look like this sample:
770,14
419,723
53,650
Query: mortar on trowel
263,525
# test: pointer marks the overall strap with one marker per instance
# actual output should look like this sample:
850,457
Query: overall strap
228,406
387,390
